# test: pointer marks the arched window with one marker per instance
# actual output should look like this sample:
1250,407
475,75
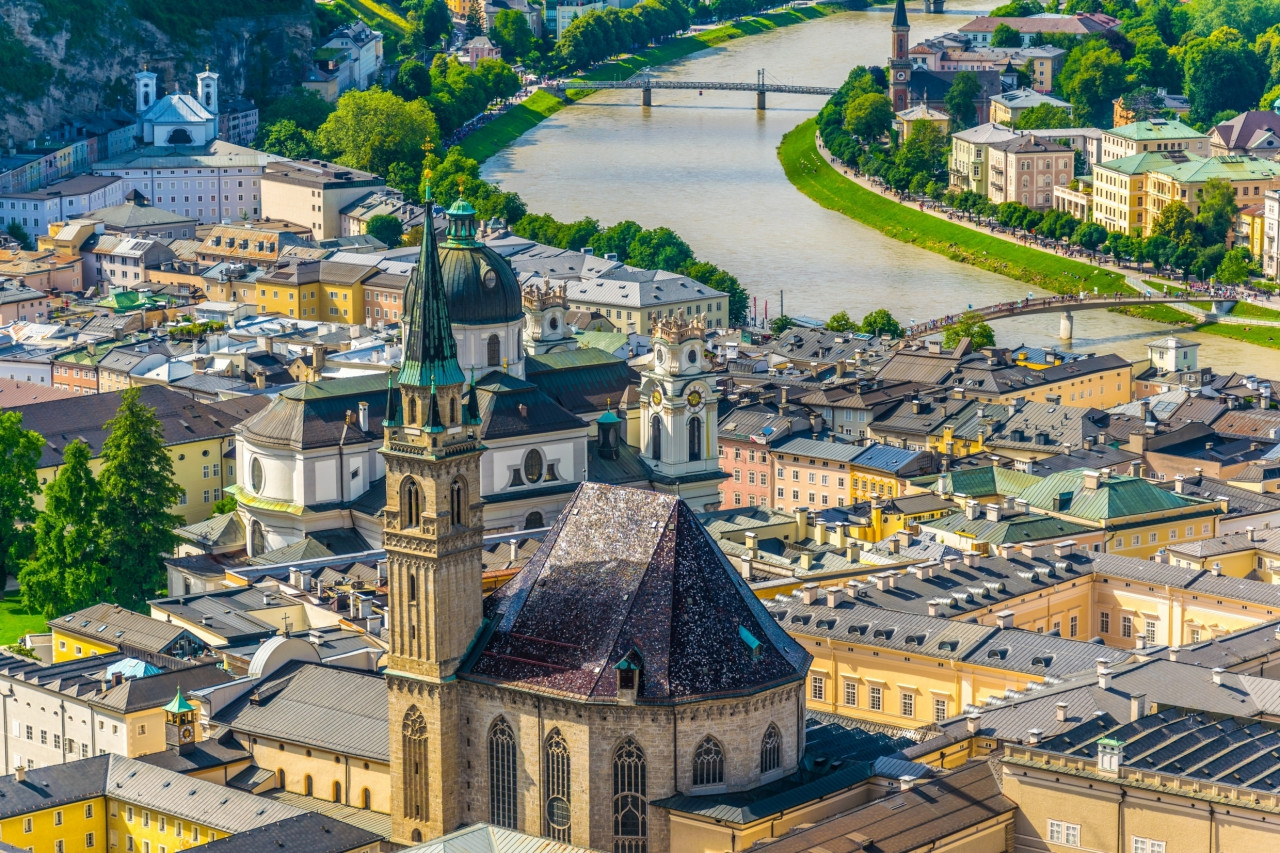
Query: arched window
695,439
413,742
416,836
337,792
556,786
630,808
502,774
494,351
366,799
410,503
280,778
708,762
655,438
533,521
179,136
770,750
306,785
413,586
458,502
411,409
453,410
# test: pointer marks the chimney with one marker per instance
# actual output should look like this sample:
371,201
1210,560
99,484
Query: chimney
1104,678
949,563
20,773
1004,620
835,596
1137,706
1064,548
972,559
751,544
782,397
117,678
364,417
1061,712
1033,736
1177,483
934,609
1217,675
260,379
1091,479
806,560
973,723
971,510
882,582
1251,533
810,593
852,552
993,512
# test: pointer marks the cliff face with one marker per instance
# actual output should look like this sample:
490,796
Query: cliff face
81,60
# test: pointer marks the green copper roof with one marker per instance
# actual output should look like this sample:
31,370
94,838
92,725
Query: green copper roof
1148,161
179,705
1144,131
1114,498
461,230
430,352
1230,168
607,418
461,207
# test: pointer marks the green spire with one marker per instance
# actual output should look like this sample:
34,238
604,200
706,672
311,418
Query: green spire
429,347
473,402
391,418
179,705
434,422
462,223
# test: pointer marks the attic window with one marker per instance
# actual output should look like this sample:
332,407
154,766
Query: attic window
1042,660
883,634
756,647
948,645
1000,653
101,628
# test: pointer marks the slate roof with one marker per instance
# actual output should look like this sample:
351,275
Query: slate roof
582,380
634,573
223,613
911,820
306,833
314,414
501,396
1246,128
63,421
1240,501
327,707
202,755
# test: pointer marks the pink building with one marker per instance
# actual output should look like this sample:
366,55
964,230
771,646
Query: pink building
1027,169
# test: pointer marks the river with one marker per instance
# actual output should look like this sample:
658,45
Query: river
705,165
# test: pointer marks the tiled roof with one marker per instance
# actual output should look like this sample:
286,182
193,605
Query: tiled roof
110,623
635,575
305,833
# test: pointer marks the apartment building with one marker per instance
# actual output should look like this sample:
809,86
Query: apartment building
316,290
1008,107
313,193
1155,134
1026,170
1182,181
968,161
812,473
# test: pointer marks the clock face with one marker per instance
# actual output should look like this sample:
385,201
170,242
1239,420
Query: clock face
695,400
656,399
186,732
902,75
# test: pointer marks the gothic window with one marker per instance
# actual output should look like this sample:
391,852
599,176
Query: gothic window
556,786
413,586
708,762
307,786
365,799
411,411
502,774
337,792
453,410
410,503
533,521
655,438
770,750
495,351
695,439
630,818
413,741
458,502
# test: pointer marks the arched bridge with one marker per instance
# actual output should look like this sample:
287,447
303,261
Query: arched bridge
1064,305
646,84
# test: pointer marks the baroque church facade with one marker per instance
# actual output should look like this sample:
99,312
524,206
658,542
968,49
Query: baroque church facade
627,663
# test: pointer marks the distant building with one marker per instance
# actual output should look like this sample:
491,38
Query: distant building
968,165
62,200
313,193
350,58
1079,25
1155,134
905,122
1008,107
136,216
1027,169
480,48
1122,110
1255,133
910,86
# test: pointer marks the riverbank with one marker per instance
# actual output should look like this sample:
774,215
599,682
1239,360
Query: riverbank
540,106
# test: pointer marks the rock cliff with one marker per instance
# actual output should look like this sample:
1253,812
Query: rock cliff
70,58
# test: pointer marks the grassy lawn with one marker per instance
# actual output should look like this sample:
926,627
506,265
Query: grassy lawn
15,621
813,176
1158,314
1265,336
508,127
380,16
1256,312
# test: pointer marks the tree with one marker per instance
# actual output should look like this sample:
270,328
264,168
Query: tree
138,490
1092,77
511,33
66,571
227,504
924,151
303,107
386,229
841,322
413,80
1184,260
880,322
1207,262
1159,250
1017,9
1234,268
1043,116
285,138
659,249
969,326
372,129
1175,221
17,232
1217,209
616,240
19,457
474,19
428,26
780,324
1089,236
961,97
1221,72
717,279
1005,36
869,117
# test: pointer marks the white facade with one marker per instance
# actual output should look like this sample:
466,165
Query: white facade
477,350
1271,233
192,188
68,199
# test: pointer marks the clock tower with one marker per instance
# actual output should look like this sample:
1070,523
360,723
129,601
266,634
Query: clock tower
678,428
181,716
899,60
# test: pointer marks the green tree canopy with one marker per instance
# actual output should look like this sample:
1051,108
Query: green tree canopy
880,322
373,129
1206,263
1222,72
869,116
716,278
616,240
413,80
1017,9
15,230
970,326
1089,236
1217,209
385,228
1043,116
19,458
1175,221
780,324
227,504
66,572
1005,36
659,248
302,106
1234,268
475,19
924,151
1092,77
841,322
138,491
511,33
962,97
285,138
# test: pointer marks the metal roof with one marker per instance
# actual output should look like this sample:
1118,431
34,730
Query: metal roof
486,838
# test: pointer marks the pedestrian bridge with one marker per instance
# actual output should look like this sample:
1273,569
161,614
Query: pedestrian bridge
1063,305
646,84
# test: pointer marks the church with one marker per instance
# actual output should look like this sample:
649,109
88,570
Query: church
552,416
626,664
913,86
177,118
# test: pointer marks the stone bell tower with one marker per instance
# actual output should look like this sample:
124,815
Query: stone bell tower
899,59
433,534
678,431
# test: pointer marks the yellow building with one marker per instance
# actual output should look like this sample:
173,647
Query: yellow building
103,628
317,290
197,436
811,473
1252,553
1182,181
1119,191
631,300
1249,228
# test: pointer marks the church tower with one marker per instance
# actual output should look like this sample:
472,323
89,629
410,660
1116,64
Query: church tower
678,429
433,534
899,59
545,305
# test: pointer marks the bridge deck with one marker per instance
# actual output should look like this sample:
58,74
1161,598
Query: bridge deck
646,83
1044,305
